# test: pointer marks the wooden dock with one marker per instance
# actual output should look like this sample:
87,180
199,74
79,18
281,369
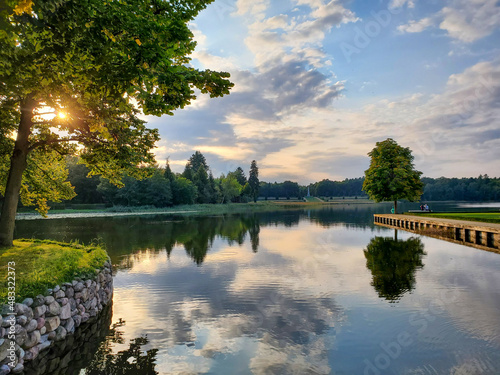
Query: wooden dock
484,236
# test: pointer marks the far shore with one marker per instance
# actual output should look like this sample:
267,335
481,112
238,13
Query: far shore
195,209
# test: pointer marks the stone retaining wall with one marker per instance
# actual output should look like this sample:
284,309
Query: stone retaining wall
43,320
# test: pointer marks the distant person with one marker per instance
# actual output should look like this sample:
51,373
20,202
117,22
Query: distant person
421,207
392,210
426,207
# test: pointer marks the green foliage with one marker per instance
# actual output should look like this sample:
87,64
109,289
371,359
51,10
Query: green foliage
154,190
240,176
44,264
253,181
85,187
183,191
393,264
100,63
229,188
45,179
196,161
391,175
482,188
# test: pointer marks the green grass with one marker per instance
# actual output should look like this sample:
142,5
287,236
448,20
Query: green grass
40,265
487,217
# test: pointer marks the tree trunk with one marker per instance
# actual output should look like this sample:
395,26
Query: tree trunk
396,206
17,166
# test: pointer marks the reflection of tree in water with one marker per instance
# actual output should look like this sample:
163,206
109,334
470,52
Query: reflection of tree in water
393,264
198,234
131,361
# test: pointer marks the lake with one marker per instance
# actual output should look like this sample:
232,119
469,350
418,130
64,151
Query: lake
319,291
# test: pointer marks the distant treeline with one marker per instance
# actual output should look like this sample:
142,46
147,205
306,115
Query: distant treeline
197,185
482,188
326,188
163,188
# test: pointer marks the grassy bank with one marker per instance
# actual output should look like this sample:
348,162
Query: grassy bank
486,217
40,265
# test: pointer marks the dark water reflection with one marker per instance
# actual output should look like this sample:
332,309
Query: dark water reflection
393,264
290,292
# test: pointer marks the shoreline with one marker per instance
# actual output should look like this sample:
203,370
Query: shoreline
195,210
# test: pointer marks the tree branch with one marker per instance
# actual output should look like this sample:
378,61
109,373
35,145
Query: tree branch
52,141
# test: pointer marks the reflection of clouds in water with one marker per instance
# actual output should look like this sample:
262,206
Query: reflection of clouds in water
469,277
277,311
236,301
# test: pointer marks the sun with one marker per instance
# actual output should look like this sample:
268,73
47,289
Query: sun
62,115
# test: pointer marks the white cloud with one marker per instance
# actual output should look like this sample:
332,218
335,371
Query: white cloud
470,20
394,4
463,20
416,26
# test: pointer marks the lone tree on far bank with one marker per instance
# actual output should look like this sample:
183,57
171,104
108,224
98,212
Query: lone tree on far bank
92,65
392,175
253,180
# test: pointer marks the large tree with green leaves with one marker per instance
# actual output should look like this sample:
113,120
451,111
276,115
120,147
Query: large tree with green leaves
392,175
253,180
97,63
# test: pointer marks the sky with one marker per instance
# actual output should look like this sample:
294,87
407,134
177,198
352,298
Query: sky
319,82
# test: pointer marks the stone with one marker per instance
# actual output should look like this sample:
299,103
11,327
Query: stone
70,325
56,289
21,309
60,333
52,335
40,322
38,301
78,320
65,312
72,303
4,350
39,311
43,345
4,370
59,294
49,300
22,320
28,302
85,317
79,287
52,323
18,369
6,322
88,283
63,301
43,330
32,353
29,313
70,292
54,308
21,335
33,339
83,295
81,309
31,326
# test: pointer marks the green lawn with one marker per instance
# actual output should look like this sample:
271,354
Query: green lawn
40,265
487,217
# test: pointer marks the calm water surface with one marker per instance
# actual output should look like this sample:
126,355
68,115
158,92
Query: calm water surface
289,292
